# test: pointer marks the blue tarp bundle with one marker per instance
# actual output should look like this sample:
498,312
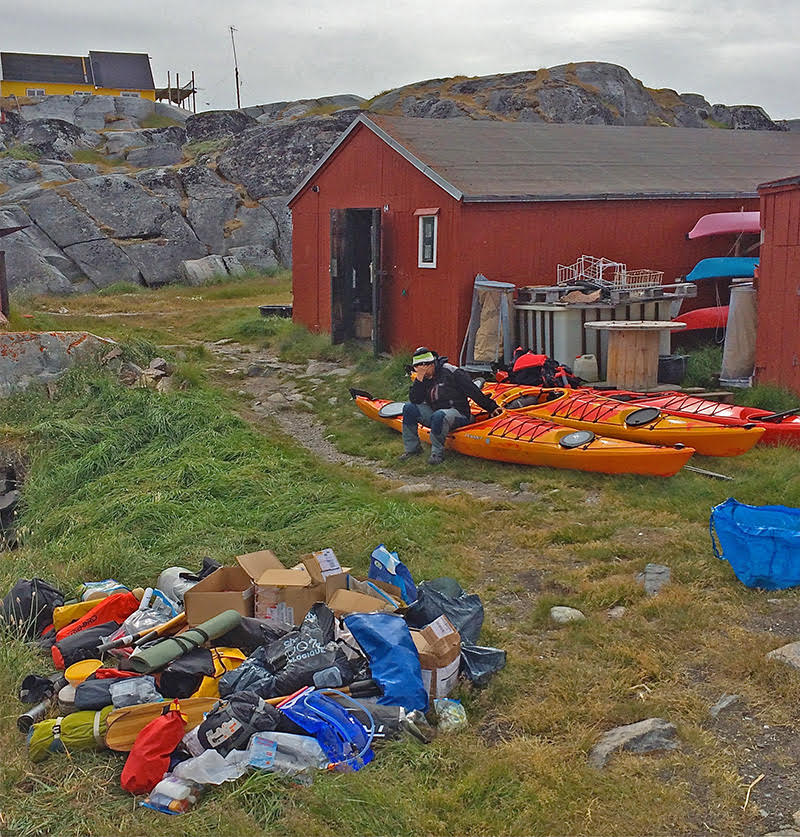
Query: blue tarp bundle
730,267
761,543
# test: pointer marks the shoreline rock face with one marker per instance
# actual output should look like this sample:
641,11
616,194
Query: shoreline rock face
121,189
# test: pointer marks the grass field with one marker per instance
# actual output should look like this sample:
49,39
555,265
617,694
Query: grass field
124,482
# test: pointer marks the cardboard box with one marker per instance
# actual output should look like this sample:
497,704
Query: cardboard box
349,601
362,326
320,565
439,649
228,588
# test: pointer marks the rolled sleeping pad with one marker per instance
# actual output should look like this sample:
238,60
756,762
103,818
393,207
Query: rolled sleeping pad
150,658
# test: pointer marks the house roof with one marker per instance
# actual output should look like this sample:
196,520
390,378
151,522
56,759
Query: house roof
122,69
67,69
486,160
102,69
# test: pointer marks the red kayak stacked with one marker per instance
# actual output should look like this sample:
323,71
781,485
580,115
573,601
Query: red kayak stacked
779,428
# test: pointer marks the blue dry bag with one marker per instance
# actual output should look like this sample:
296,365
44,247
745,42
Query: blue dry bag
761,543
393,658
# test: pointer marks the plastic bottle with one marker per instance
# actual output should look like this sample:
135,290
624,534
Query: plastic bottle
585,367
284,753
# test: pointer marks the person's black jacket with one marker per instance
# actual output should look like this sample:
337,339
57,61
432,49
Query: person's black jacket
449,387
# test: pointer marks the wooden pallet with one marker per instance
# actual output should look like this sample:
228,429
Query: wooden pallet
552,294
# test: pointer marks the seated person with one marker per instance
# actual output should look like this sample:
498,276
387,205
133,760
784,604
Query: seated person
439,399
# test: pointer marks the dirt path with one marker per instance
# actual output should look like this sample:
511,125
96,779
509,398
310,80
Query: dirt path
305,429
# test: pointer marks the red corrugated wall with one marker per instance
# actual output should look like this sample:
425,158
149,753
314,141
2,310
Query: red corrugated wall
514,242
525,242
778,331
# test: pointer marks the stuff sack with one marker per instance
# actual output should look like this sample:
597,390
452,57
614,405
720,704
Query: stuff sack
148,759
231,722
28,607
116,608
761,543
81,646
196,674
77,731
393,657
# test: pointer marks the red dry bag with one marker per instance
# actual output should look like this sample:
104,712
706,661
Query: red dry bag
148,759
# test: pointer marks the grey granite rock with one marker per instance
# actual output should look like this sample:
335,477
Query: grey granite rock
641,737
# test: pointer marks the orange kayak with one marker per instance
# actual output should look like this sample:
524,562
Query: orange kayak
587,410
529,440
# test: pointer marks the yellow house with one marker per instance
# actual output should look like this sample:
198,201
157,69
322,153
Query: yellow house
99,73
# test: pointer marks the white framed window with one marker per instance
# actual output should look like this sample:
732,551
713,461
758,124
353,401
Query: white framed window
34,92
428,235
130,94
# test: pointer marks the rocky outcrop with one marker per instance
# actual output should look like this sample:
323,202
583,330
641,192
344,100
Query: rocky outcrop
589,92
217,183
28,357
272,160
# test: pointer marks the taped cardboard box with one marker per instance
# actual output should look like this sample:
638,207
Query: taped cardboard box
228,588
439,649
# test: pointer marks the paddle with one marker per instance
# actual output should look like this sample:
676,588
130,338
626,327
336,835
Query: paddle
705,473
775,416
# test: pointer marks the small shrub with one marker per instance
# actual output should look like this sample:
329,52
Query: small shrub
120,288
21,152
139,351
193,150
158,121
703,367
768,397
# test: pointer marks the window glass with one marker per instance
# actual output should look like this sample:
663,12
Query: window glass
427,240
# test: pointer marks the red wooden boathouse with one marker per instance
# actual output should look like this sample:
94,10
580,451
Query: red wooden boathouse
778,284
393,224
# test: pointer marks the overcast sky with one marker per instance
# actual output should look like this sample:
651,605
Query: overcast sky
731,51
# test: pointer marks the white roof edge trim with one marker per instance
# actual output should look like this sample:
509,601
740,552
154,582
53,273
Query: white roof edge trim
392,143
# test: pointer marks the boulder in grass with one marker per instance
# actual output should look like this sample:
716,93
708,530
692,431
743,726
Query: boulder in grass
642,737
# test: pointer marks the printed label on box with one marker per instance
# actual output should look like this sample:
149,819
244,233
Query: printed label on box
441,627
328,562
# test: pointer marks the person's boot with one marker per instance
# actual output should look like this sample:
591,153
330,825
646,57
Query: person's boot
436,459
409,454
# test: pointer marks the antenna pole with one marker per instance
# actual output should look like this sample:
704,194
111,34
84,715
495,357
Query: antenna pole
236,67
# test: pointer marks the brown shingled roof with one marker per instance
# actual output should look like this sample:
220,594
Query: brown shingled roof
491,160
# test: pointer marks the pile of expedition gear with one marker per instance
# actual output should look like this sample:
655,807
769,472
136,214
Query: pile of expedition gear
207,676
527,368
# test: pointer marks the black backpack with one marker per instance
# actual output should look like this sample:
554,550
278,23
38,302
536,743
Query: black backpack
28,607
231,722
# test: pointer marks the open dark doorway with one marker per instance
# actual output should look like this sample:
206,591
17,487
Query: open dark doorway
356,276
